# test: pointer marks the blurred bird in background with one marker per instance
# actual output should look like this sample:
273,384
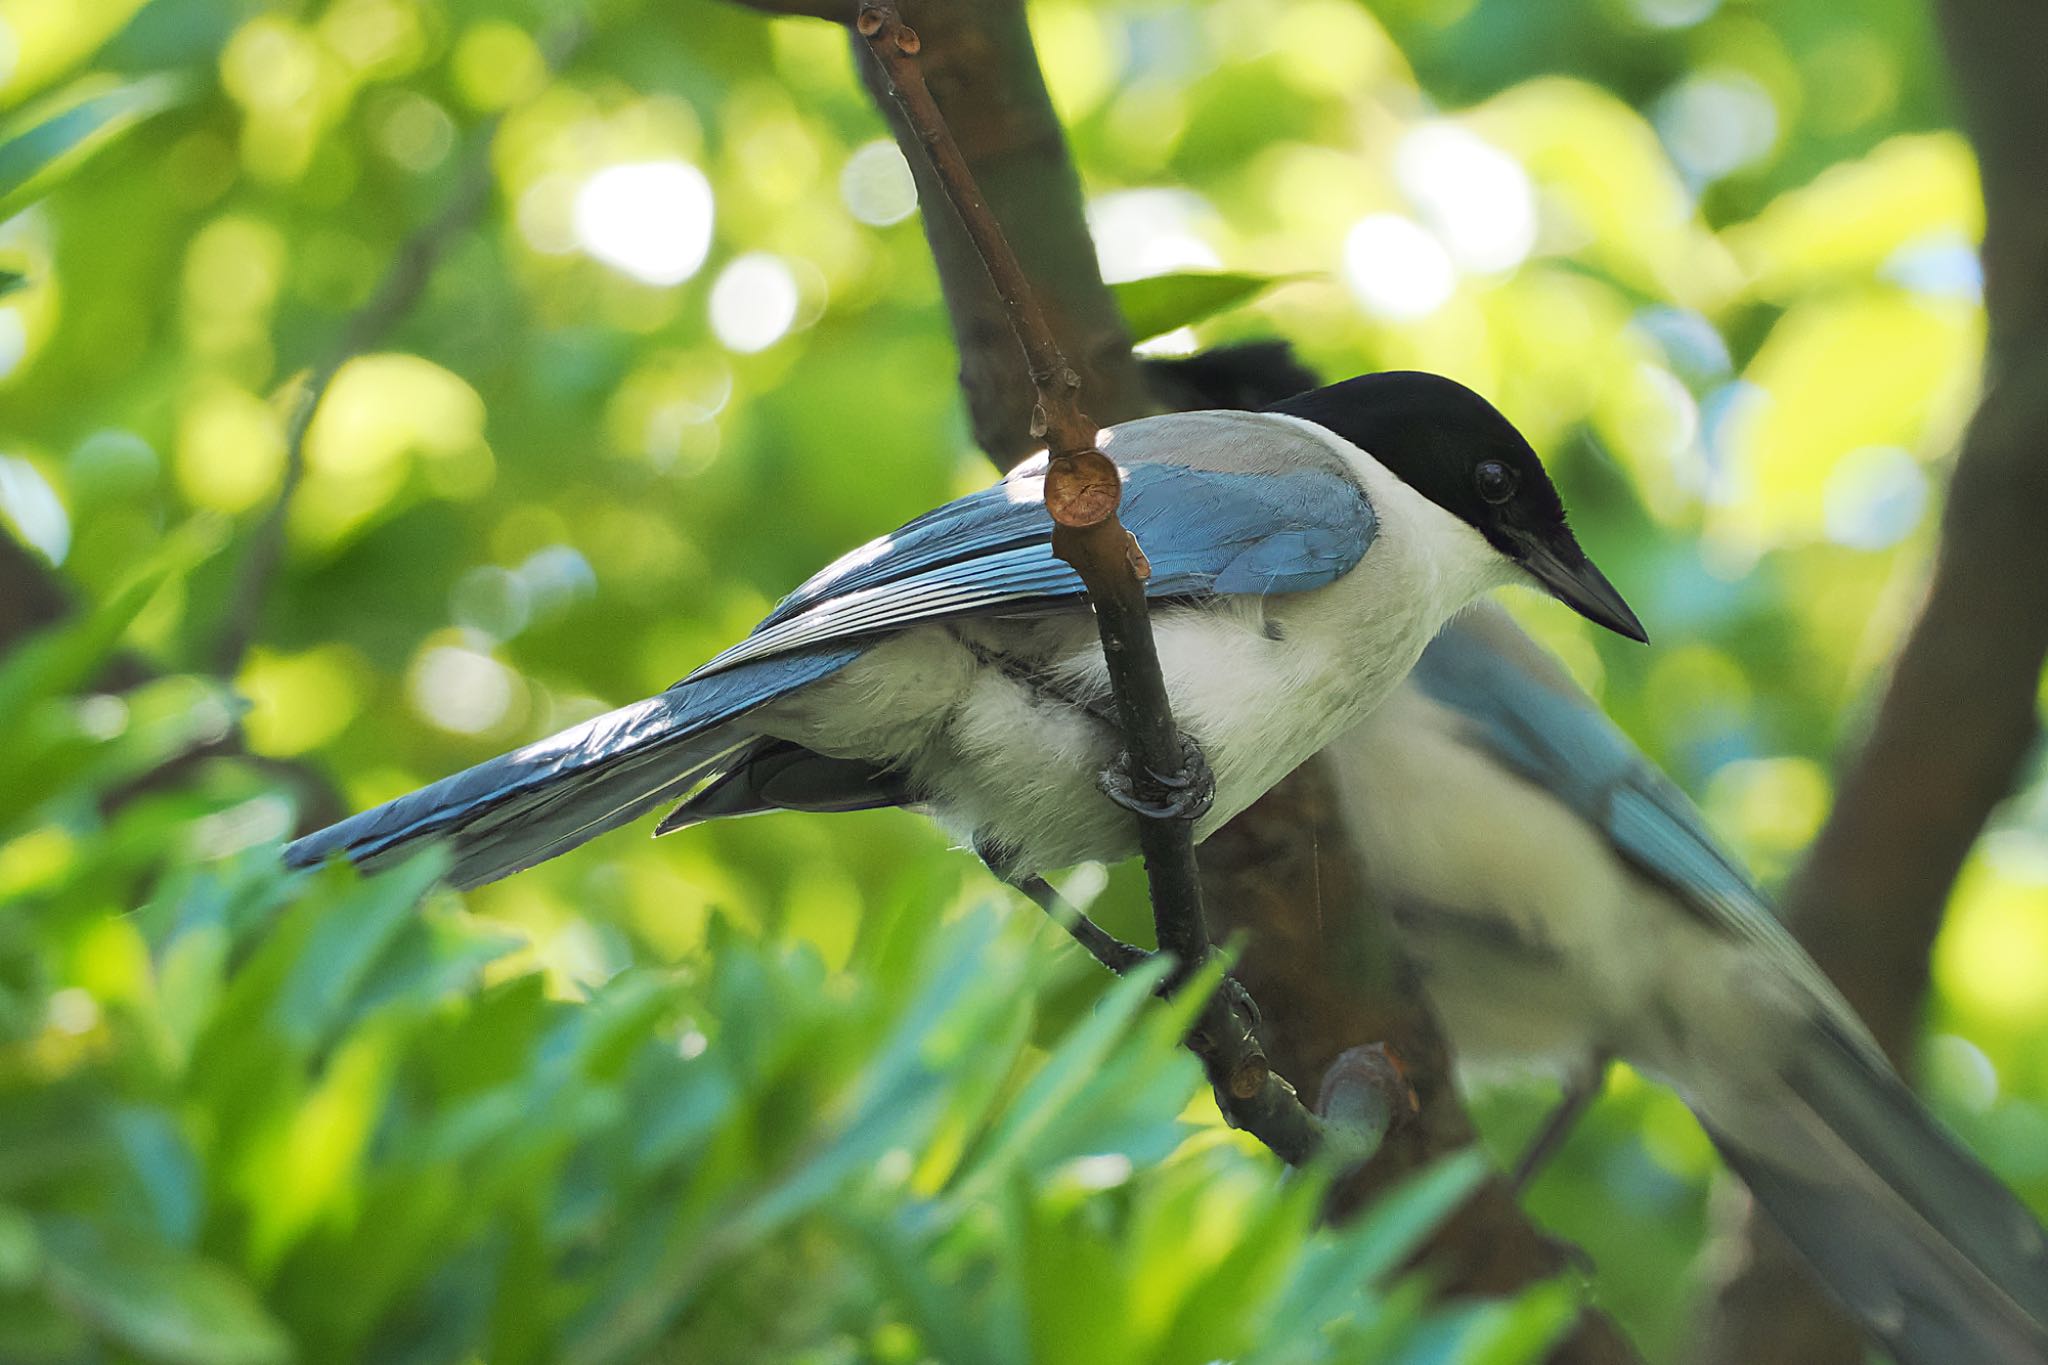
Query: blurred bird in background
1566,904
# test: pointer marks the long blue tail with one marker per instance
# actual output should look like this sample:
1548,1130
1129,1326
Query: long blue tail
530,805
1933,1255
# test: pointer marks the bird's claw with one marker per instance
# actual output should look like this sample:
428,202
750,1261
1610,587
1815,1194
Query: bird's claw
1241,1002
1184,795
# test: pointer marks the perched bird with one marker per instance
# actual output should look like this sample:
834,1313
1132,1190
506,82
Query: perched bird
1301,559
1565,902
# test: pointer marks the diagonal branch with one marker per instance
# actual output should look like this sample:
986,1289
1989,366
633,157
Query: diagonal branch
1082,489
1273,871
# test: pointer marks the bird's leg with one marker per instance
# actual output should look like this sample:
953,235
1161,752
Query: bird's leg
1111,951
1105,947
1183,795
1579,1093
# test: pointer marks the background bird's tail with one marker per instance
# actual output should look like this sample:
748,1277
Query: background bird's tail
1930,1252
537,802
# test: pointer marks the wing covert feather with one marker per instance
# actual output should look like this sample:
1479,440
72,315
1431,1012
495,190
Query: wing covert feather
1208,524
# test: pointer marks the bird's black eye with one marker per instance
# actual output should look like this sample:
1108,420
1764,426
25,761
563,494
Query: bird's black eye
1495,480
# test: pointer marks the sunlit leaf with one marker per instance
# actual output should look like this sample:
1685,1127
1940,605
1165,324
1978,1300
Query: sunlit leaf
1857,216
34,159
1158,304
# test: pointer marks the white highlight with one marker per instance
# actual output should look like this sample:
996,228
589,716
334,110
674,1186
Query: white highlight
1396,268
1150,232
650,219
27,500
754,302
461,690
1475,196
876,185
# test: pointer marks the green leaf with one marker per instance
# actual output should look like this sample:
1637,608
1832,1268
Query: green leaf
1519,1331
160,1303
1077,1060
92,114
1405,1217
1157,304
1386,1237
11,280
67,655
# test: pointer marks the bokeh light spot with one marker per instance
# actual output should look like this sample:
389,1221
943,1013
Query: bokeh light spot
1716,123
13,341
414,132
1958,1070
33,508
1474,196
650,219
490,601
497,64
1942,266
1150,232
1396,268
1875,496
754,302
1993,951
1673,13
298,702
877,186
462,690
230,449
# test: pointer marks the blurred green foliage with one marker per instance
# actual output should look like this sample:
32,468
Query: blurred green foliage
261,1118
1715,257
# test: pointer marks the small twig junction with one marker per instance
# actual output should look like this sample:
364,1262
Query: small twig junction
1082,490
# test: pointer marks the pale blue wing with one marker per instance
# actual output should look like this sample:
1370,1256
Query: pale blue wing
1206,532
1518,704
1222,503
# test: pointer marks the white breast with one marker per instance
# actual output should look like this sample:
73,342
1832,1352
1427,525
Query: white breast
1538,944
1260,684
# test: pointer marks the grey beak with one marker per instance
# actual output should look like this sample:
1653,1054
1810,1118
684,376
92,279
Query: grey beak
1572,579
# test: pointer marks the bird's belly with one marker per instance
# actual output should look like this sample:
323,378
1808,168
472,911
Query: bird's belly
1256,694
1003,725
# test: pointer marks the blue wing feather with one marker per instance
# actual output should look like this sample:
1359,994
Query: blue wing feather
1520,707
519,808
1205,532
1294,526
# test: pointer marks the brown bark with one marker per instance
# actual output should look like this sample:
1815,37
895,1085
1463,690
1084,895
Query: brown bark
1328,974
983,71
1328,982
1082,491
1961,711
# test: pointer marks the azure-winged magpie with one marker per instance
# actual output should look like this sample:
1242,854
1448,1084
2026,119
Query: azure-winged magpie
1564,901
1301,559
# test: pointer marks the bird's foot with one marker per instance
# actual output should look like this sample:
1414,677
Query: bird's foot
1241,1002
1183,795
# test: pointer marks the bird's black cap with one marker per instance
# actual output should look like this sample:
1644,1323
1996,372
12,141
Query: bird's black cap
1453,447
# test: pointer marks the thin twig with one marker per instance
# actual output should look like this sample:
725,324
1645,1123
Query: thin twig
404,282
1082,489
1105,947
